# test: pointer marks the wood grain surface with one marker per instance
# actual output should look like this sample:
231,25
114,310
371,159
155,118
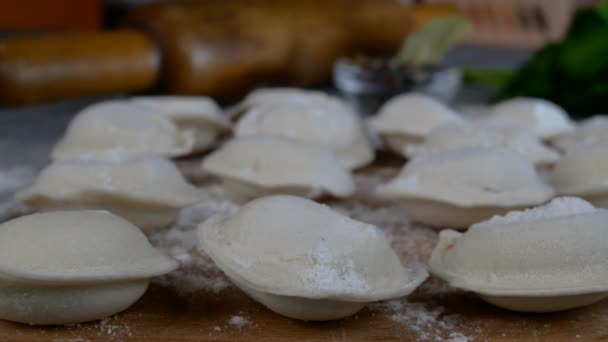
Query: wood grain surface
435,312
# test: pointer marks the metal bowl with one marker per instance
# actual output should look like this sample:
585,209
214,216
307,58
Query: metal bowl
368,84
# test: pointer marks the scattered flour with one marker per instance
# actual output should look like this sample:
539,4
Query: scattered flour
458,337
329,273
197,272
112,328
427,322
238,321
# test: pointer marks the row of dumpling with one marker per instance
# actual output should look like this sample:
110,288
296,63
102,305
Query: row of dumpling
303,143
113,154
451,186
302,260
299,142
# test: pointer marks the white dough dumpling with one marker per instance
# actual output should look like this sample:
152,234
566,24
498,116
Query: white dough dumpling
268,97
589,132
73,266
453,136
305,261
323,121
197,114
545,259
545,119
408,118
583,172
148,191
136,129
458,188
255,166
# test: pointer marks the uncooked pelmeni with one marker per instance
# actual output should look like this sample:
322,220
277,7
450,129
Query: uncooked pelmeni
457,135
148,191
589,132
305,261
458,188
583,172
269,97
197,114
327,122
544,259
256,166
408,118
122,125
73,266
545,119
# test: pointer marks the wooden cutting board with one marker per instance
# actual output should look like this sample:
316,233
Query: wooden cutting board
199,304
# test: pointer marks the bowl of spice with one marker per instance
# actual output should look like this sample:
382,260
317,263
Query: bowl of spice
368,82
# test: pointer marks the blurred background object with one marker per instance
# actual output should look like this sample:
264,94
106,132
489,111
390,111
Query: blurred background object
41,15
515,23
572,72
225,48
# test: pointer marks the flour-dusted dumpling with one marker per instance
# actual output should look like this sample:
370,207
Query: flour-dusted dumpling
327,122
269,97
583,172
148,191
589,132
544,259
303,260
197,114
408,118
255,166
457,135
122,125
73,266
458,188
545,119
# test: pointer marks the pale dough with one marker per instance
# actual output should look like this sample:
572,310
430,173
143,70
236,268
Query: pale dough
325,121
544,118
255,166
408,118
303,260
148,191
458,188
549,258
583,172
73,266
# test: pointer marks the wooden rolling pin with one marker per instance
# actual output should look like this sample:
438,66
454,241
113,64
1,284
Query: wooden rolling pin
220,49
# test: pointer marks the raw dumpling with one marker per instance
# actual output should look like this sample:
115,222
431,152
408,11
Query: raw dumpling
122,125
255,166
197,114
408,118
545,259
545,119
322,121
305,261
457,135
589,132
269,97
583,172
458,188
148,191
73,266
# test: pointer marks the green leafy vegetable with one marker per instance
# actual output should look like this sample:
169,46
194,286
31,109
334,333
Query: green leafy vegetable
573,72
430,43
